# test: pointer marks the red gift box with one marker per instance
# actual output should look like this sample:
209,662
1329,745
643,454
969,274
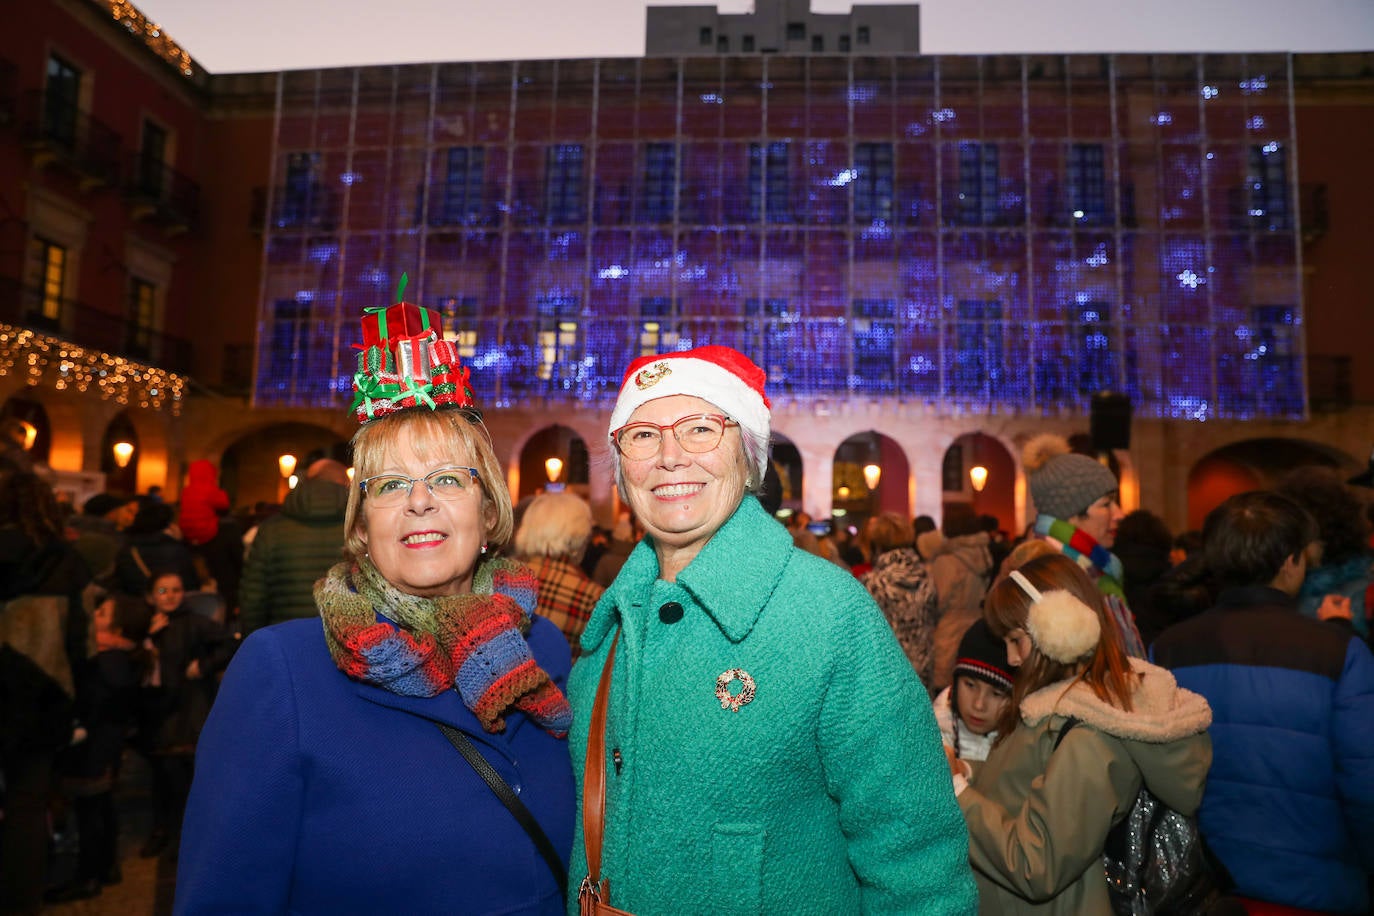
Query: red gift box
404,319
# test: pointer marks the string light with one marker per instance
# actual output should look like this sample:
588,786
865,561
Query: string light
65,366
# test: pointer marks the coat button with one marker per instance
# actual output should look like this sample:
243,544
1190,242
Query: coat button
670,612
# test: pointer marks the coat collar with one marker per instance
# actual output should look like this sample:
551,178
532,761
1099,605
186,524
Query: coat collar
732,577
446,707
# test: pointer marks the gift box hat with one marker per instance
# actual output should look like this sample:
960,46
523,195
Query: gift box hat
404,363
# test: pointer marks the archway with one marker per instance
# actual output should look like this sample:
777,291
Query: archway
785,475
251,467
554,457
120,454
1252,464
26,422
871,475
991,491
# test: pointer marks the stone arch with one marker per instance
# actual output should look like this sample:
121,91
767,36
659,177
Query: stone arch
1251,464
555,440
1003,492
787,464
249,469
27,426
851,492
511,440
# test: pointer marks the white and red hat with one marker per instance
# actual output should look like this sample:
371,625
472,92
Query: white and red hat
722,375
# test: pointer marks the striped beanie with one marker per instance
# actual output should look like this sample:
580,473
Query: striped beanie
984,656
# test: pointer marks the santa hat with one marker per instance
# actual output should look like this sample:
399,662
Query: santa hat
722,375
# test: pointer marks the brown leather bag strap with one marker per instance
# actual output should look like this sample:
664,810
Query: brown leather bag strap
594,775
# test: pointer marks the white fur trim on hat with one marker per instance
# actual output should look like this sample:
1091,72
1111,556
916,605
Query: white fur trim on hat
1062,627
711,373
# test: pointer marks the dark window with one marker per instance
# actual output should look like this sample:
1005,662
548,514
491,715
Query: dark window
977,184
817,43
952,470
873,182
704,37
861,34
660,178
1268,179
288,348
844,43
1096,361
977,365
61,99
302,195
768,182
1086,176
780,343
747,43
723,44
874,326
1274,349
138,329
461,201
152,160
796,31
563,183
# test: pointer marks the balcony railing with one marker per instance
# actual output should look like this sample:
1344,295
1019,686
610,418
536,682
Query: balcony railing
56,130
160,193
93,328
307,209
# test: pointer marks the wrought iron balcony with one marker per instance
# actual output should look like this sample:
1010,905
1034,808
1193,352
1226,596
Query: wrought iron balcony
56,131
91,327
159,193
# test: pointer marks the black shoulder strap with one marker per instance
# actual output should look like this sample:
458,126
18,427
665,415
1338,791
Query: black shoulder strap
511,801
1069,723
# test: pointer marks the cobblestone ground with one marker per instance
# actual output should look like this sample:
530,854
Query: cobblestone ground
148,883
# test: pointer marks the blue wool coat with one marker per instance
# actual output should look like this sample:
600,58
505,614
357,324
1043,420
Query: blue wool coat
828,792
314,793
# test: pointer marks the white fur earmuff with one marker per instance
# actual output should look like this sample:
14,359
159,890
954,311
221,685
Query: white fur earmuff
1062,627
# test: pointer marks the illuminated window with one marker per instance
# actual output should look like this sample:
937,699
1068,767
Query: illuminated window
461,199
780,338
61,102
660,179
873,183
141,318
1085,175
874,326
768,182
977,204
563,183
50,263
458,315
656,334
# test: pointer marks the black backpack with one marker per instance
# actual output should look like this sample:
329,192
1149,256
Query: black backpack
1156,862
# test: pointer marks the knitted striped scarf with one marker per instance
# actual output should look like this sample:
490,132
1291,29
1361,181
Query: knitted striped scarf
1083,549
420,647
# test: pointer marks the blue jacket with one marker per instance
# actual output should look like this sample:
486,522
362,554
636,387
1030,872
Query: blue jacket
315,793
1290,799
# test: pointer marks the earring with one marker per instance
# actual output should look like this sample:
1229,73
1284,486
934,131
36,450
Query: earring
749,482
484,550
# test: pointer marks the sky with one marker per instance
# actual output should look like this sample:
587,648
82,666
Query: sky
227,36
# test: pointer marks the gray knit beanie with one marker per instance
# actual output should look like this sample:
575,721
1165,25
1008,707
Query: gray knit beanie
1064,484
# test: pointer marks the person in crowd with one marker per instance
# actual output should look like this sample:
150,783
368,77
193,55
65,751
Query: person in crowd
904,592
1038,809
1076,498
99,530
624,537
329,777
189,650
998,545
969,710
1344,561
107,686
1143,542
295,548
149,547
961,569
207,528
923,523
1291,795
767,740
552,536
1184,546
42,642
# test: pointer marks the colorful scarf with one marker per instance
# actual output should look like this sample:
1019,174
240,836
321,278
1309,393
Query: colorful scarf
420,647
1084,550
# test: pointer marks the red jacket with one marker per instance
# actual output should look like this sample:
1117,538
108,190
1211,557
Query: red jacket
202,502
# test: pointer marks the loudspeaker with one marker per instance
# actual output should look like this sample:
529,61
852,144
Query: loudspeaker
1109,424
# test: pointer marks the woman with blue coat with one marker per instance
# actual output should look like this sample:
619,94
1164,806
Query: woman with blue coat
326,780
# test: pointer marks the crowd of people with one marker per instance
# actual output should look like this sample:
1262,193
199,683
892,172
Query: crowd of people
410,694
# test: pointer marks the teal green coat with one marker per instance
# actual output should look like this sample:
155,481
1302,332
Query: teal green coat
827,793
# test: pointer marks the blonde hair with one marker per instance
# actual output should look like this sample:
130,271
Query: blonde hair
438,433
554,525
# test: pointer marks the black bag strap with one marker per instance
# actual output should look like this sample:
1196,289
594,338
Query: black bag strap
512,802
1069,723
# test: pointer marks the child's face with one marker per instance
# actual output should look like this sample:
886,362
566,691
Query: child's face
166,594
103,616
980,704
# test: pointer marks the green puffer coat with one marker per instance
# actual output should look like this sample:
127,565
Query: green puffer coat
1038,817
291,551
826,792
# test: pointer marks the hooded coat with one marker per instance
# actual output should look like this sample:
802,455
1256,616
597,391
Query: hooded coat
202,503
292,550
827,792
1038,817
906,596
